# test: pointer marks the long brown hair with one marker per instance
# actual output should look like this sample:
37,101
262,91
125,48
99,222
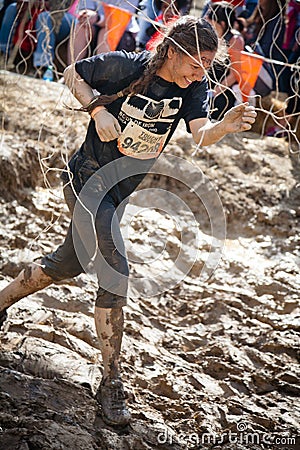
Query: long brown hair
188,34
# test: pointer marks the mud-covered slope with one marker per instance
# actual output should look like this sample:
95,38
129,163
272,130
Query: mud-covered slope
206,363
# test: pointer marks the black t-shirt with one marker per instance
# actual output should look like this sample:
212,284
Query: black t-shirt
147,121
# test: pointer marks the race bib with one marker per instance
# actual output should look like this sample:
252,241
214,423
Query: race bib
138,142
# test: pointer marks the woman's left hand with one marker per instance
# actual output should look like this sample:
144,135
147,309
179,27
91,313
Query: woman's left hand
239,118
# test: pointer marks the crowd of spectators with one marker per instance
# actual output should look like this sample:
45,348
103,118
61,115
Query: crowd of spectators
270,28
36,29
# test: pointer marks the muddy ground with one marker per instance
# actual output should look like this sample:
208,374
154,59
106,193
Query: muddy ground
207,363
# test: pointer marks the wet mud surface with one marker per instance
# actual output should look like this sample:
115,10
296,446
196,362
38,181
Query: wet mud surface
207,363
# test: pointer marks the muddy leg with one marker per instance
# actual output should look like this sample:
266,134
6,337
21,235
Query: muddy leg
109,325
30,280
110,395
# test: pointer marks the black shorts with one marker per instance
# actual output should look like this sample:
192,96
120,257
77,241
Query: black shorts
74,255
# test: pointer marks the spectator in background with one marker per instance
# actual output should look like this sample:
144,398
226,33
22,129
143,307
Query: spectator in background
33,30
90,30
169,10
289,79
222,16
290,43
238,5
148,9
4,6
53,28
266,27
89,21
250,6
152,9
18,27
8,22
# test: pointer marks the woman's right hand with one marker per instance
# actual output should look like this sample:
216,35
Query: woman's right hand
107,126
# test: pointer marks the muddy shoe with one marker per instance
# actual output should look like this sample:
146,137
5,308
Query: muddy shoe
111,397
3,317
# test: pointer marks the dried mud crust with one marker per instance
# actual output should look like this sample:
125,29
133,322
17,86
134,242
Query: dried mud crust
204,357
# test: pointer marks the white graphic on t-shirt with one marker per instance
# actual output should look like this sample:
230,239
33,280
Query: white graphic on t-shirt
146,124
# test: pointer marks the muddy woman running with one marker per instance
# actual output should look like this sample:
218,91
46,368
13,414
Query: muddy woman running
142,97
